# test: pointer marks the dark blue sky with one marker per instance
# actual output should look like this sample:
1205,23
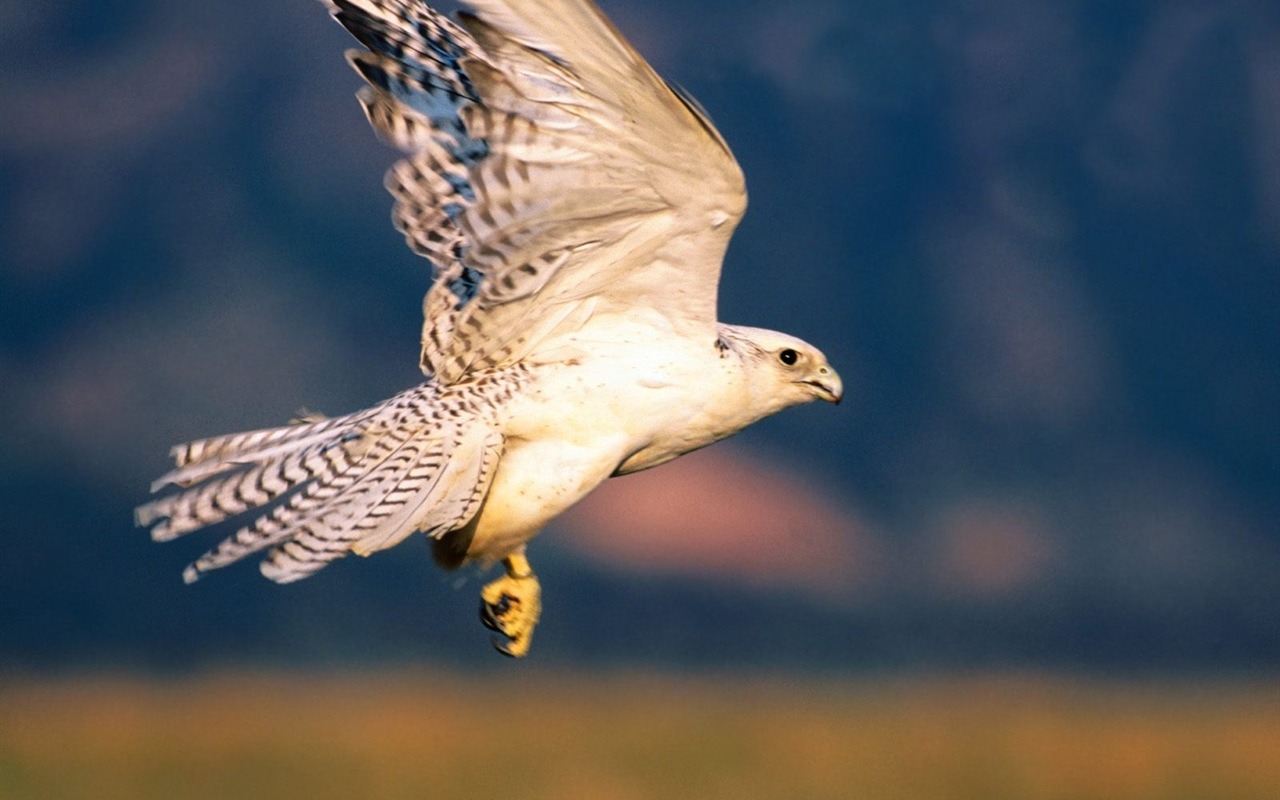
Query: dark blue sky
1039,238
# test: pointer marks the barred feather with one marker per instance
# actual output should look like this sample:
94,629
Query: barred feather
322,474
329,532
413,32
280,467
548,163
435,501
364,481
279,525
204,458
430,191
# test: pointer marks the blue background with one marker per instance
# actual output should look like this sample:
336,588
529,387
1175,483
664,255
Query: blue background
1039,238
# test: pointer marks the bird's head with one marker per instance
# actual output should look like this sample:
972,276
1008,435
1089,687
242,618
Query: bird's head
791,370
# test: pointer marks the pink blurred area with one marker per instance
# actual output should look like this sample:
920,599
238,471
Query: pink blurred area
724,514
991,549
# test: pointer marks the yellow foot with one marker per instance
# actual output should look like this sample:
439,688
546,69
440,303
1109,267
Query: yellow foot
511,606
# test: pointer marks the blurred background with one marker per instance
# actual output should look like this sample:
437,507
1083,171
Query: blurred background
1040,239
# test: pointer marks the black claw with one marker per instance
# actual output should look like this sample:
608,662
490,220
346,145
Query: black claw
491,614
486,617
503,646
503,605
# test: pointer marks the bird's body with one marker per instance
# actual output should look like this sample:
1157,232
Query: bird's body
576,210
634,411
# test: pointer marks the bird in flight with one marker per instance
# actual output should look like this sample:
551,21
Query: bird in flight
575,209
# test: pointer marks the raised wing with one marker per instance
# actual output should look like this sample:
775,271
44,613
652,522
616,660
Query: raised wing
553,175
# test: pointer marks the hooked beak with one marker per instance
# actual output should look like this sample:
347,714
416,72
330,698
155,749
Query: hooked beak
827,385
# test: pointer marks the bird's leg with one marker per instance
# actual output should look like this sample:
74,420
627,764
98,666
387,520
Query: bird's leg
511,606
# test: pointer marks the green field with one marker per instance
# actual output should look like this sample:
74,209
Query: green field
518,733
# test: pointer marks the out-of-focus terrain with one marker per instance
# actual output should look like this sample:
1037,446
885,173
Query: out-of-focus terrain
530,734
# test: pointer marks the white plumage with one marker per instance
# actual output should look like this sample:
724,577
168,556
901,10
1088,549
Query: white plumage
576,209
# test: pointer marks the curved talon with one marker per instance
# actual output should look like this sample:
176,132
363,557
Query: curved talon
491,613
503,646
486,616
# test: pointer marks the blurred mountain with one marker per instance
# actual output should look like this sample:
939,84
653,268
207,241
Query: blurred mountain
1040,239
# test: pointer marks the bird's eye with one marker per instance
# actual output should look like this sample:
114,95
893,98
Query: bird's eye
788,357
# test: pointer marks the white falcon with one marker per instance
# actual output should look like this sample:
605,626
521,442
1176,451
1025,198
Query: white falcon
576,209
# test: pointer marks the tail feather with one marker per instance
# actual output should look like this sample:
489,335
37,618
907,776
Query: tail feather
281,523
202,459
330,533
248,441
362,482
243,489
433,498
471,486
212,502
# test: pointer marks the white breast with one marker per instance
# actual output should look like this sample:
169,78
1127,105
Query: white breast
619,406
